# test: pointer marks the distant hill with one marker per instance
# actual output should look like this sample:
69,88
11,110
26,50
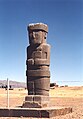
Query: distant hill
14,84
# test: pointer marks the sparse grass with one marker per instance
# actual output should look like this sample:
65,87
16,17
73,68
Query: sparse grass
60,96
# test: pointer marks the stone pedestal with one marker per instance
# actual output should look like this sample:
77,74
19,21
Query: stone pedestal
34,112
36,101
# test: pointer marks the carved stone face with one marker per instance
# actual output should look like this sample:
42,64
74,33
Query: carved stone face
35,37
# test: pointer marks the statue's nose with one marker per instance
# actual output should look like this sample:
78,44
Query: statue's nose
33,35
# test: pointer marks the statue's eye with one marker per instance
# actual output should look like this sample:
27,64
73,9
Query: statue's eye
31,34
36,34
45,35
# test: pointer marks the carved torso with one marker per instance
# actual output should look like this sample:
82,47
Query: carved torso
41,52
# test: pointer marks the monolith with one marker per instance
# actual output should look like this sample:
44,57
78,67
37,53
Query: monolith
38,62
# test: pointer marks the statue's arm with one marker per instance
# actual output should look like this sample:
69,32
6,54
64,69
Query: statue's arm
44,61
30,60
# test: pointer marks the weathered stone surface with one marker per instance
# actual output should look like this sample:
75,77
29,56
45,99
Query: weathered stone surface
38,26
35,86
36,101
35,112
38,60
36,104
38,73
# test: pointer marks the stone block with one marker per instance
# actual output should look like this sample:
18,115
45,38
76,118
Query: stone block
36,101
28,104
49,112
29,98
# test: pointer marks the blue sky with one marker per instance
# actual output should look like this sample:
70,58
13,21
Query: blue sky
65,21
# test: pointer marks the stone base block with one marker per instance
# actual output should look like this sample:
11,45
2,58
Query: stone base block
35,112
35,101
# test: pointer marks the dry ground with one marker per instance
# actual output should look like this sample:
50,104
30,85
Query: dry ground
60,96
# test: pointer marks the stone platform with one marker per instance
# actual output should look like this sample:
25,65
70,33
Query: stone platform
35,112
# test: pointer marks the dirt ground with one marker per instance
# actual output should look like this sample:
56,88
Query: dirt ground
59,96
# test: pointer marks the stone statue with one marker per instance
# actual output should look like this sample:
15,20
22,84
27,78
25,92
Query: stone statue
38,62
38,75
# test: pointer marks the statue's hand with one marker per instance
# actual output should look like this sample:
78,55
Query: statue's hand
30,62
